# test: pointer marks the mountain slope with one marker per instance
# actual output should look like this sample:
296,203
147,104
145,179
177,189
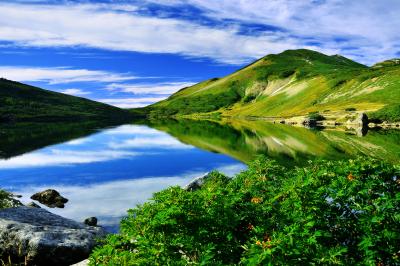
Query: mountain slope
20,102
293,83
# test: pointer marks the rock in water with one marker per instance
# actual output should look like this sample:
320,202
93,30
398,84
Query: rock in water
92,221
41,238
51,198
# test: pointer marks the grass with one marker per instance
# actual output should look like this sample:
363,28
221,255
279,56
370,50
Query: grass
325,213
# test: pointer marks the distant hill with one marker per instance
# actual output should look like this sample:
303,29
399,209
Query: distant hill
20,102
293,83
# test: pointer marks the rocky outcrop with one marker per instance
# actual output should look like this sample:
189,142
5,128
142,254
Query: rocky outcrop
196,183
51,198
38,237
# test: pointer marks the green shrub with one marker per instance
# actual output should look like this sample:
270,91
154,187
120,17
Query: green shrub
5,199
316,116
344,212
350,109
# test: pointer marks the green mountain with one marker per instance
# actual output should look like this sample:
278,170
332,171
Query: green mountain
20,102
293,83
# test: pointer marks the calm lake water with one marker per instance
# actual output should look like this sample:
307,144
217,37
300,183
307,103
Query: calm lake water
105,171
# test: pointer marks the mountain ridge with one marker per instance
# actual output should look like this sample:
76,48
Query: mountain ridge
292,83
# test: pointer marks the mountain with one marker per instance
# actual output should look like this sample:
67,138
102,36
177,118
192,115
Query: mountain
293,83
20,102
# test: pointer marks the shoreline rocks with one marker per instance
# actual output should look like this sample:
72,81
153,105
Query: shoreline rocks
91,221
51,198
38,237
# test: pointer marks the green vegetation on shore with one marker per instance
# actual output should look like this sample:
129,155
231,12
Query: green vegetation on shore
292,83
326,213
6,199
20,102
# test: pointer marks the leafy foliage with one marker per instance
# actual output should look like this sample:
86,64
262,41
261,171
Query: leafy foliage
6,199
343,212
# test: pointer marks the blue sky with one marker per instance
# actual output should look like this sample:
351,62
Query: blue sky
132,53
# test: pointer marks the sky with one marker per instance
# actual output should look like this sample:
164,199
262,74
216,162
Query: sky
131,53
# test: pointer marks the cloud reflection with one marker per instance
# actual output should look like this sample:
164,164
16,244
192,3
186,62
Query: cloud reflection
109,201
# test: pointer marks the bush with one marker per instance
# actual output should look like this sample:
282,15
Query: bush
316,116
350,109
344,212
6,199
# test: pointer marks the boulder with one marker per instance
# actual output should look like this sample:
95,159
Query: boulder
196,183
51,198
92,221
37,237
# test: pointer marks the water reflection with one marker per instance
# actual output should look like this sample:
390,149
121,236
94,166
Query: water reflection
104,172
109,171
290,145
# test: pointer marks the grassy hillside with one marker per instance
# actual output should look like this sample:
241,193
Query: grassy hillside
20,102
293,83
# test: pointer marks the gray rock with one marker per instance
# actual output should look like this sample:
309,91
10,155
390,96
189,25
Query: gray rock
362,119
42,238
196,183
51,198
82,263
92,221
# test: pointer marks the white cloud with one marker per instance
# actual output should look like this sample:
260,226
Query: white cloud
60,75
155,88
369,27
131,102
161,141
132,130
77,92
63,157
94,26
363,30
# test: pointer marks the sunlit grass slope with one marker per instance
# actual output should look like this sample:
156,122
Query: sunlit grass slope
20,102
295,82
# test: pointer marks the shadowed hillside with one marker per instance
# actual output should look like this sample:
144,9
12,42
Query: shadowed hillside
20,102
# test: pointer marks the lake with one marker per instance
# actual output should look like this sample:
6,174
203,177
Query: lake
104,171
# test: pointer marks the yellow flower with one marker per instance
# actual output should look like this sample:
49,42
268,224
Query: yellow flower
350,177
256,200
